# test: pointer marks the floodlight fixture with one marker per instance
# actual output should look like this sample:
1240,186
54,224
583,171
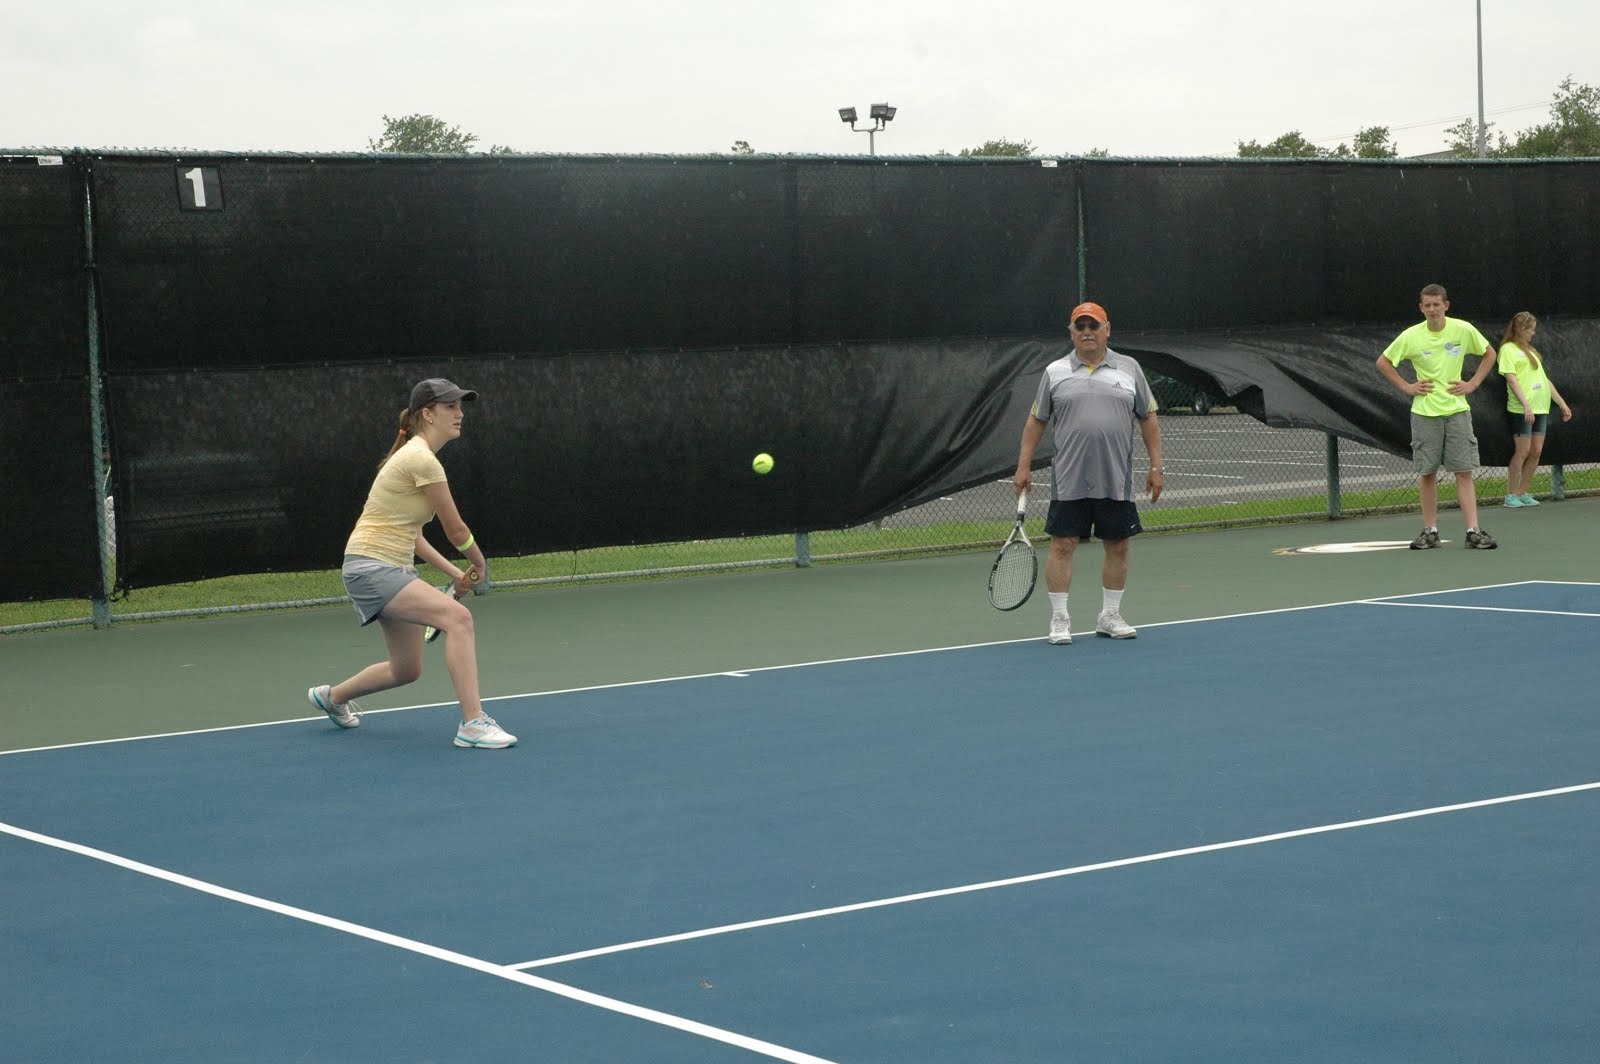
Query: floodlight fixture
881,114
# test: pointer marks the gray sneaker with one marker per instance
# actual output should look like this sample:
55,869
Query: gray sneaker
341,713
1427,539
484,734
1478,539
1112,624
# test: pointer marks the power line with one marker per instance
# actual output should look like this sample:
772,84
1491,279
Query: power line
1435,122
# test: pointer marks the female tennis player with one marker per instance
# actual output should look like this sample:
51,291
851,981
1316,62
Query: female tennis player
381,577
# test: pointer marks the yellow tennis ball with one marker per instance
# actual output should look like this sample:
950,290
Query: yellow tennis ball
762,463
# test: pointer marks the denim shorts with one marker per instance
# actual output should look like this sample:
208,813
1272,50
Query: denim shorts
372,584
1518,424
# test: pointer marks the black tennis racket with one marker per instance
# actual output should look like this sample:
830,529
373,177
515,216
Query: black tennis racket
1012,577
429,632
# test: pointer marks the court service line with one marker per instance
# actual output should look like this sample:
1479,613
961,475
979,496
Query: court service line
499,971
1481,609
1059,873
746,672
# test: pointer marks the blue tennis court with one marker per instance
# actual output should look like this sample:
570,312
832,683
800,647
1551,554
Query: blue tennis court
1333,833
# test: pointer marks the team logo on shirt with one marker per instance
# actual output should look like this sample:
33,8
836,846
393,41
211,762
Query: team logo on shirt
1452,348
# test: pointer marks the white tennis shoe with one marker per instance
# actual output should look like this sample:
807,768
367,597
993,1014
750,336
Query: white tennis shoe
484,734
1060,629
341,713
1112,624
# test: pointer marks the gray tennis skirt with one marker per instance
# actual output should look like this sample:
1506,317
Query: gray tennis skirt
372,584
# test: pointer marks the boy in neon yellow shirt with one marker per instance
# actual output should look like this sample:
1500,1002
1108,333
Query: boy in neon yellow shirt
1441,418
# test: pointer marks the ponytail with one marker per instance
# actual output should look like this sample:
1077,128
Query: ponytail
401,434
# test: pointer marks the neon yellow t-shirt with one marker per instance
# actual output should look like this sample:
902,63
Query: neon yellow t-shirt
396,506
1437,357
1535,384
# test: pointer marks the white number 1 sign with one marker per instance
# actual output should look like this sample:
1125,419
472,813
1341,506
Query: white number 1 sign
199,188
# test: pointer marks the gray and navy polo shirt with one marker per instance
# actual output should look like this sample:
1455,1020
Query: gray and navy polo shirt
1091,411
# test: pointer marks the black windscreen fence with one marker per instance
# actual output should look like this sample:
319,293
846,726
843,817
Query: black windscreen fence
299,261
591,450
1324,378
1220,245
640,326
46,448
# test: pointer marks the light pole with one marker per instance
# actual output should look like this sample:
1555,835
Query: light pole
1483,130
881,114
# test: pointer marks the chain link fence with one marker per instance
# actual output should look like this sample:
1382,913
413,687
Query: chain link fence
1224,469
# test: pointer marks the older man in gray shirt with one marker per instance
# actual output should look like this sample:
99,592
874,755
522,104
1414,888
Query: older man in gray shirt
1091,401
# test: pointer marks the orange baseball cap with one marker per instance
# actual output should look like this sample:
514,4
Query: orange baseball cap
1089,310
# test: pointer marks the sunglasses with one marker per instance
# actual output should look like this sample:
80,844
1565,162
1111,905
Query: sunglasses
1087,325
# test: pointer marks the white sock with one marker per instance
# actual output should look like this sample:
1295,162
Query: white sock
1058,603
1112,600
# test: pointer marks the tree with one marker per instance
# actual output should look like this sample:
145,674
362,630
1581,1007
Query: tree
1097,153
741,147
423,134
1000,149
1572,132
1371,143
1289,146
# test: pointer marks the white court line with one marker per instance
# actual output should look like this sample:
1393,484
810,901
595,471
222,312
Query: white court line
437,953
1038,877
1481,609
775,668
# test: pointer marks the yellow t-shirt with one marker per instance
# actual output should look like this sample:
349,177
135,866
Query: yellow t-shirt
396,506
1535,384
1437,357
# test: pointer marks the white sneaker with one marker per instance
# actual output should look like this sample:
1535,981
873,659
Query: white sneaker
1060,629
341,713
482,732
1112,624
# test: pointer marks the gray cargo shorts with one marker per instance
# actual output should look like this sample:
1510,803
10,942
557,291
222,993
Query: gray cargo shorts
1443,441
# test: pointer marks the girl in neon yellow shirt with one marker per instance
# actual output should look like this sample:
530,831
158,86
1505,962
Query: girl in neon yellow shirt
1529,393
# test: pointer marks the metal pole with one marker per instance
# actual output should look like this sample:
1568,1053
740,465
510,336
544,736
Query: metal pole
1335,503
100,607
1483,130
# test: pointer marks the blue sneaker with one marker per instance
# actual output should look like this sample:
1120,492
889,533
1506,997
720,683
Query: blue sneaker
1527,500
1514,500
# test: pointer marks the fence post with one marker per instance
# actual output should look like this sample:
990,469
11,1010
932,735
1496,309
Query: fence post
802,550
1335,504
1558,483
100,606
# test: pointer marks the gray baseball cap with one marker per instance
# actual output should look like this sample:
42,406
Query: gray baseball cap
438,390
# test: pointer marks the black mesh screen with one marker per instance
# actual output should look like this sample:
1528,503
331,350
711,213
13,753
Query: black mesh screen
46,455
1204,245
351,260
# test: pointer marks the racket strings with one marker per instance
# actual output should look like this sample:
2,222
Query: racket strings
1011,581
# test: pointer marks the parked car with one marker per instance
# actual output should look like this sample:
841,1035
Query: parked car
1174,395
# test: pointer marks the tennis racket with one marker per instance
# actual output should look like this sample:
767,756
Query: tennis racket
429,632
1012,577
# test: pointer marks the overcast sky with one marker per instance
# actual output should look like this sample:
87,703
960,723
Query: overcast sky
1137,77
